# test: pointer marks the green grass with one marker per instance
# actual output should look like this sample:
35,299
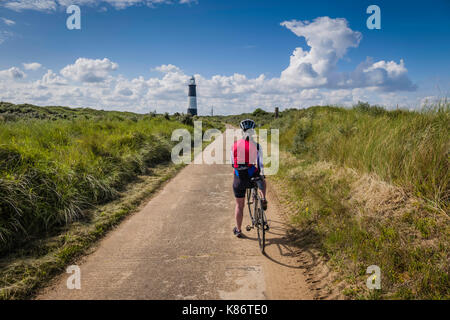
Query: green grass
26,270
53,170
368,186
372,187
67,176
50,171
409,149
12,112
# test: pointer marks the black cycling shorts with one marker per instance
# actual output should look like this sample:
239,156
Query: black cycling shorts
242,182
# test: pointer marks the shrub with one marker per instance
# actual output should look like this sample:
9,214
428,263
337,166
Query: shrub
367,108
303,131
259,112
187,120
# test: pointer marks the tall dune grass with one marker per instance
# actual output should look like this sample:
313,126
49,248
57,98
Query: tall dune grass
371,186
52,170
409,149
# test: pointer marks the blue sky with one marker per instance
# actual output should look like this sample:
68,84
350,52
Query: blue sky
217,40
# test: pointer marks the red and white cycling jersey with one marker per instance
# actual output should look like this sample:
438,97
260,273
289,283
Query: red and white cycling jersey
245,154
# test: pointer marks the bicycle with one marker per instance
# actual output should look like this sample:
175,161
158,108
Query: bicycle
258,218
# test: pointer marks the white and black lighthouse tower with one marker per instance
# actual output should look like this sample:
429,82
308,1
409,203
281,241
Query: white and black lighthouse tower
192,97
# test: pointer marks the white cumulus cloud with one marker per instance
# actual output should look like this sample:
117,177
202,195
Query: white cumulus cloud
89,70
312,78
31,66
13,73
166,68
329,40
51,78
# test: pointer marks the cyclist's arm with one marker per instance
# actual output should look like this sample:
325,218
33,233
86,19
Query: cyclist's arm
260,162
232,157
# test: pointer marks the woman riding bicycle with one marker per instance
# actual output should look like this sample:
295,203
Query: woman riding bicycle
246,159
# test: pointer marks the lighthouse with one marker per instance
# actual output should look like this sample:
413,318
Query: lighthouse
192,97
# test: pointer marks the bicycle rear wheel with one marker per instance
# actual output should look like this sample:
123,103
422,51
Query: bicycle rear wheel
260,224
249,204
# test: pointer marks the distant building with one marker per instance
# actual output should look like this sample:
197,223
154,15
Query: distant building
192,97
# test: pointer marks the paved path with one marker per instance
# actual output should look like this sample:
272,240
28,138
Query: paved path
181,246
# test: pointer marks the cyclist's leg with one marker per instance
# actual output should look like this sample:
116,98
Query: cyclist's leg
239,193
262,190
261,185
239,212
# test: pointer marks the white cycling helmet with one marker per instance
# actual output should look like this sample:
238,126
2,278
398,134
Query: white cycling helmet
247,124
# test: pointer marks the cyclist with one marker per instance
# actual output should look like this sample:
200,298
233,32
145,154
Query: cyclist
246,159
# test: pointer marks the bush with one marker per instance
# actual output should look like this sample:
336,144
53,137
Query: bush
259,112
367,108
303,131
187,119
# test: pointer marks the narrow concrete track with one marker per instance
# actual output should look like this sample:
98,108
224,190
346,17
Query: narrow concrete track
181,246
